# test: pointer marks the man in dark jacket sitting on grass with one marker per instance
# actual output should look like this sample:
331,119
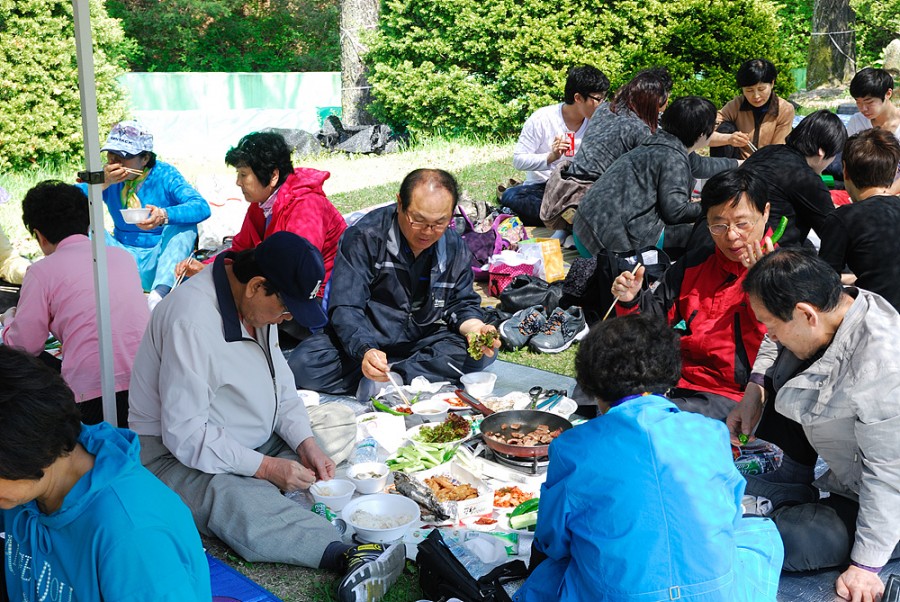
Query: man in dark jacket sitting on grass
401,296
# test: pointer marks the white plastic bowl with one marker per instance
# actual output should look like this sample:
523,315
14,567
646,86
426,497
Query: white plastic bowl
369,485
382,505
334,493
433,410
135,216
479,384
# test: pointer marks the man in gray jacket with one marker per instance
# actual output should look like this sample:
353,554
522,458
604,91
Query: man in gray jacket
220,422
832,363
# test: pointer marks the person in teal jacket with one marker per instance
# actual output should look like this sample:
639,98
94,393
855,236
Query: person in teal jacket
83,519
643,502
134,179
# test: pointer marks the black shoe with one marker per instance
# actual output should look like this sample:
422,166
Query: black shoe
371,570
495,316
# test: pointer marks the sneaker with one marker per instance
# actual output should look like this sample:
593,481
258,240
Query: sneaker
563,328
524,324
371,570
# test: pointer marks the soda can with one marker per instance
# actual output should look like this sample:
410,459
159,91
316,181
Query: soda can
570,152
326,513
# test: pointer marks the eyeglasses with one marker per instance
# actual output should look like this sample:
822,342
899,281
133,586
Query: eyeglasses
285,310
742,228
595,97
436,228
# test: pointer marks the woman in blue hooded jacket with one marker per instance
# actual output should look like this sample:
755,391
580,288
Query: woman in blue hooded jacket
643,503
84,520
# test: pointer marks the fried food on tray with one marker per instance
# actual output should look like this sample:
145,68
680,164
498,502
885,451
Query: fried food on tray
445,490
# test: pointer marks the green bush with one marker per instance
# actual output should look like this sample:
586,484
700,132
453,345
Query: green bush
40,122
231,35
481,68
877,23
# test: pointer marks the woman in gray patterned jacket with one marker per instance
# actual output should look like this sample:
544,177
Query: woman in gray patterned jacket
644,198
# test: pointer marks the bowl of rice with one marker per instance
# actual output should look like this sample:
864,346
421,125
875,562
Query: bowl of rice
334,493
381,517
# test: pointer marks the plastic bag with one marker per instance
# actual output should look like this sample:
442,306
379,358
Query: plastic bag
549,253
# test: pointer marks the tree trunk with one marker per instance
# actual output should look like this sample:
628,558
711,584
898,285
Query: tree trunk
832,48
357,16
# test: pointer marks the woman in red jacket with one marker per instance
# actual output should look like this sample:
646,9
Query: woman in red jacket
281,198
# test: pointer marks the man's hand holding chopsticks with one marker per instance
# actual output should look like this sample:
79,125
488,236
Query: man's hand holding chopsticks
627,286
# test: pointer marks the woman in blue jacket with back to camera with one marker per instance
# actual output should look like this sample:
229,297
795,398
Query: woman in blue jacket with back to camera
643,502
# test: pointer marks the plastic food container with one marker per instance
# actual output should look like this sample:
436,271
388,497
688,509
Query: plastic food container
135,216
334,493
479,384
368,484
433,410
384,506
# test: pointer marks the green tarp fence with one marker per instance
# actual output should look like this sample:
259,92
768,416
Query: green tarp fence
202,115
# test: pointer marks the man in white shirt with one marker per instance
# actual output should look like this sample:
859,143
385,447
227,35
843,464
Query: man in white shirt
872,90
214,403
551,134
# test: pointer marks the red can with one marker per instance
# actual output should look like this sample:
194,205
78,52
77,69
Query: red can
571,151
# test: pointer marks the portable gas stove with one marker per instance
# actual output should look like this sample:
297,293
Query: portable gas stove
528,471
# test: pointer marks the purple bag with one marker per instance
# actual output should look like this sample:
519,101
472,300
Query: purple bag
483,245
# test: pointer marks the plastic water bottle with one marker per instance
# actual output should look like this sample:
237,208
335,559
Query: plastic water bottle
366,451
469,560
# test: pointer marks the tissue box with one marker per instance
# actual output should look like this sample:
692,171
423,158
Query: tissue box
482,504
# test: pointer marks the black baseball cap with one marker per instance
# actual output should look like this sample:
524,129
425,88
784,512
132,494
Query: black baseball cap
294,267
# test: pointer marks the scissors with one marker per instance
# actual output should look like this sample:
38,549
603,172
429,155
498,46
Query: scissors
537,392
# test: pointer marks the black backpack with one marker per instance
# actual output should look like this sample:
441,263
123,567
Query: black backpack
443,576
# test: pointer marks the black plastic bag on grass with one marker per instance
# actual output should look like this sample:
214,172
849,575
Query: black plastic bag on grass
443,576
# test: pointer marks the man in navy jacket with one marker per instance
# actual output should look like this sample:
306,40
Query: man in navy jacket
401,296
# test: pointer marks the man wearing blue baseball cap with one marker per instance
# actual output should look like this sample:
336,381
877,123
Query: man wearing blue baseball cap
214,403
165,231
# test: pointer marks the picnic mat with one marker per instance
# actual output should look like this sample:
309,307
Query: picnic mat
228,585
818,586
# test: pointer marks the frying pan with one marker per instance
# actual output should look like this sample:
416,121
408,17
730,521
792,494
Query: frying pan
528,420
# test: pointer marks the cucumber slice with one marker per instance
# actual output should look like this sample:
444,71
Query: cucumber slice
523,521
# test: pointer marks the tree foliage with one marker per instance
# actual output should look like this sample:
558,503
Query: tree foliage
231,35
41,118
478,67
795,26
877,23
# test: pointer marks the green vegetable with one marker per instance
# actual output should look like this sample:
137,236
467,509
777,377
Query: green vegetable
779,231
523,521
421,456
453,428
526,507
478,340
743,439
385,408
